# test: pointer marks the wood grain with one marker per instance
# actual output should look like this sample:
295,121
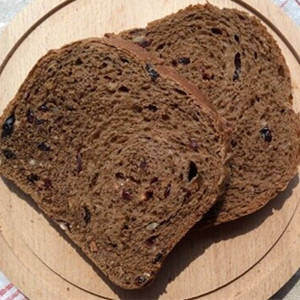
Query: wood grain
250,258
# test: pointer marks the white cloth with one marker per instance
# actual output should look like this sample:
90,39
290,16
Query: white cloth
291,7
8,291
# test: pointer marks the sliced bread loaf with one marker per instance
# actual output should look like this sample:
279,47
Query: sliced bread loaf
237,64
123,153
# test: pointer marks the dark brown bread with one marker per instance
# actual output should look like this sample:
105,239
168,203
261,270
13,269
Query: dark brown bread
239,67
116,151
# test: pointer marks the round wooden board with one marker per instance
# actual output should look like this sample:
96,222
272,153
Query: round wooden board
250,258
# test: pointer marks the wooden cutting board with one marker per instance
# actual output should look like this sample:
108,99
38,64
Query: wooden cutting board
250,258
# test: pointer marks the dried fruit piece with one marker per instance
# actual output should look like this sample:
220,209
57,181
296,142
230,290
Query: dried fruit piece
87,215
148,195
184,60
142,279
30,116
9,154
43,108
47,183
194,145
153,74
157,258
266,134
43,147
8,126
32,178
127,194
143,164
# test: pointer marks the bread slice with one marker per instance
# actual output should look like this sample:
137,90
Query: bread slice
237,64
123,153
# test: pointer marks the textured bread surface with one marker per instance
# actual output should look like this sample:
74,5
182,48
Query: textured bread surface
237,64
111,147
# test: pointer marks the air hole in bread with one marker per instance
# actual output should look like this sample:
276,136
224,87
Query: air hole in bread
181,92
207,76
215,30
114,139
238,66
165,117
86,214
152,107
120,176
123,89
124,60
103,66
136,108
149,195
174,62
78,61
96,134
174,105
153,180
94,179
160,47
281,71
193,171
151,240
233,143
125,227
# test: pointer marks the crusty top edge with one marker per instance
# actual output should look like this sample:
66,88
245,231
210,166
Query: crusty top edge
170,73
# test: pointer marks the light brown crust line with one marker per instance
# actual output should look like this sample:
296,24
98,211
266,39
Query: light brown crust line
170,73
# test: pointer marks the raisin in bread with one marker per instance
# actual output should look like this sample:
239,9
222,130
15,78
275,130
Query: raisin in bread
237,64
121,151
